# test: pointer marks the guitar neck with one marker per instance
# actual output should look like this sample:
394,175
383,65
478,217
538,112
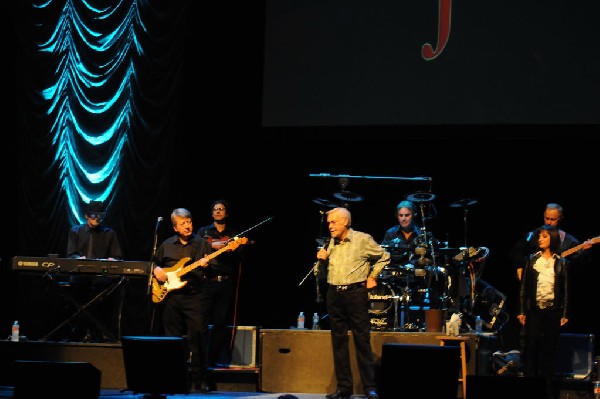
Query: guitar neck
229,247
576,248
571,250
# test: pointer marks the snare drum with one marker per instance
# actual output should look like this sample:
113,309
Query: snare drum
393,273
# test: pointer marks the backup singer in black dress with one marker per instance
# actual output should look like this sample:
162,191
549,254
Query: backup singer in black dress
544,299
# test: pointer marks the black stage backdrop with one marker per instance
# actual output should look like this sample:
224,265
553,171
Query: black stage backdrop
216,147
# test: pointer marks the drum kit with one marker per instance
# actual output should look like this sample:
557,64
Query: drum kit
421,277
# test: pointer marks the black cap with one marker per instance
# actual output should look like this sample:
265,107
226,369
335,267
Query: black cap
94,207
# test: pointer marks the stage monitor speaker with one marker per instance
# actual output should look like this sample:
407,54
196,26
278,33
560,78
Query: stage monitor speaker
430,369
45,379
499,387
145,357
574,356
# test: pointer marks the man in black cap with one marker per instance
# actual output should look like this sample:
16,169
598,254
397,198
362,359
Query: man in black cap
93,240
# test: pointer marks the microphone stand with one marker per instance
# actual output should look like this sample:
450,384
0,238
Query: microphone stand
151,269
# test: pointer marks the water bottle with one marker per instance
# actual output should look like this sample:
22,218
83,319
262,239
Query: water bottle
300,320
315,323
596,389
478,325
15,331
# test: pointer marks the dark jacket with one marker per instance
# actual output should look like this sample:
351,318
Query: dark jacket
529,284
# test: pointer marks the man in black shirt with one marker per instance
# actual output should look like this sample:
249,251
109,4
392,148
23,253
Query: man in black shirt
218,297
181,307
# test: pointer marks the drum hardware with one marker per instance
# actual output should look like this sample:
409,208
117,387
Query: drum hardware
420,272
395,271
472,254
348,196
488,303
345,195
420,197
465,204
422,251
324,202
449,250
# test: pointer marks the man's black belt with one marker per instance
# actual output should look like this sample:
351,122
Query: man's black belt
348,287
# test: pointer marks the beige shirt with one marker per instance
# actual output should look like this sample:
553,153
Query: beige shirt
355,258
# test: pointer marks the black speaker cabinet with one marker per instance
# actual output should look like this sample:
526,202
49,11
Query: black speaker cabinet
574,356
499,387
46,379
432,371
145,356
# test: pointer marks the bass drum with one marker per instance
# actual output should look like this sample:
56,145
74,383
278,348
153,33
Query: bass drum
382,306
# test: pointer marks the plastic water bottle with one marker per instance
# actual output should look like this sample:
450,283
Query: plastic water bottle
315,323
478,325
15,331
301,320
596,389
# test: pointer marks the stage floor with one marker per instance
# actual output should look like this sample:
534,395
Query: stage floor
7,392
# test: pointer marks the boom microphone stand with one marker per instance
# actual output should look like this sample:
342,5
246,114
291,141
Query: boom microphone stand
149,286
151,269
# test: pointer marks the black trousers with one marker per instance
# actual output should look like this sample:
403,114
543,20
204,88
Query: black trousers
542,330
216,303
182,316
349,310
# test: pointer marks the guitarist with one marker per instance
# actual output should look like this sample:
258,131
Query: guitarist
182,309
219,295
527,245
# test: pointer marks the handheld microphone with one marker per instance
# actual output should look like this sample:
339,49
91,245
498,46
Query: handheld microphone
319,262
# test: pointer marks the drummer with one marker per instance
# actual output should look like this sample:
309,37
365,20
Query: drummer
410,248
402,239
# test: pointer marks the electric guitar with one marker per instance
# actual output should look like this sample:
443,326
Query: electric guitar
174,273
569,251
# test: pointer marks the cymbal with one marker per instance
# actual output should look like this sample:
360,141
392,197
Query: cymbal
348,196
463,202
420,197
473,254
324,202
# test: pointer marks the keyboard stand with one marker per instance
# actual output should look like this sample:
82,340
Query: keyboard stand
82,310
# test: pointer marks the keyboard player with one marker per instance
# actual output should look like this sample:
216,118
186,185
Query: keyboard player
94,240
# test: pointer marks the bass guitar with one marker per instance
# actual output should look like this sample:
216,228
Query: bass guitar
569,251
175,272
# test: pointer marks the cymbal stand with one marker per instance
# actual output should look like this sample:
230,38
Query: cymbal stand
465,214
405,298
395,327
427,242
